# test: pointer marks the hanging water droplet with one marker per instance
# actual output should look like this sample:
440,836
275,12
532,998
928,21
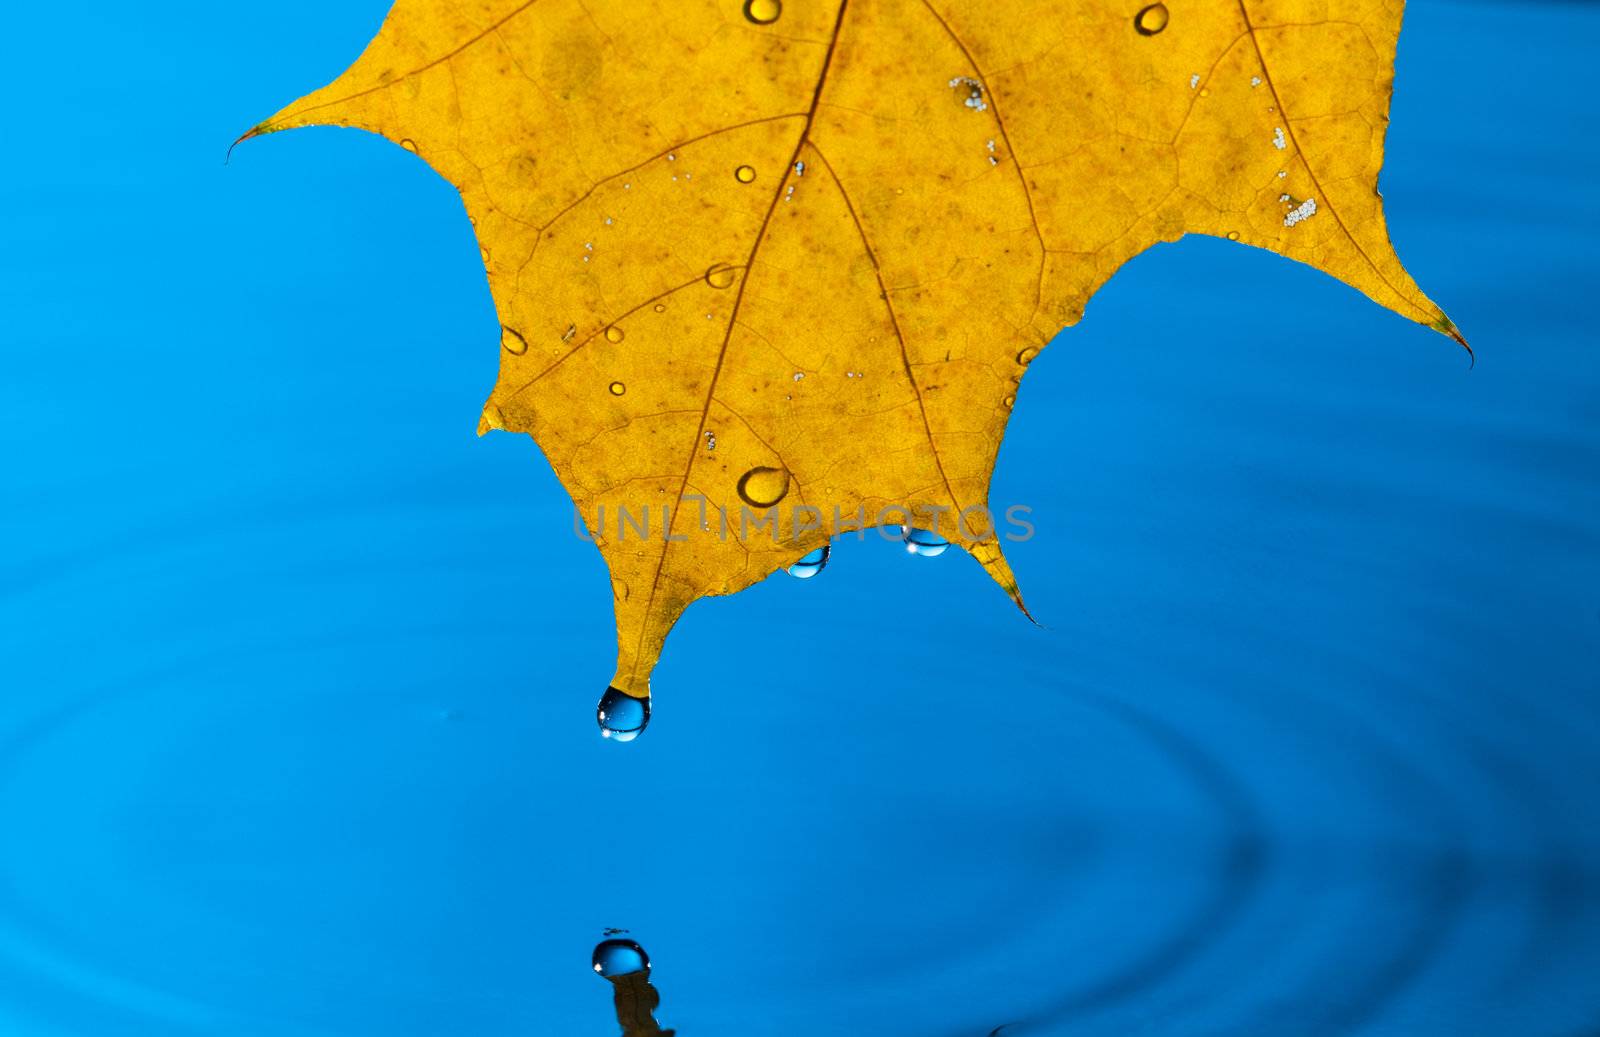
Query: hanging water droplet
617,388
745,174
1026,356
1151,20
763,487
512,342
921,542
622,716
619,958
614,334
811,564
763,12
409,144
721,276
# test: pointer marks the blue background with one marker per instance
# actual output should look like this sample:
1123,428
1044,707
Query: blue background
297,730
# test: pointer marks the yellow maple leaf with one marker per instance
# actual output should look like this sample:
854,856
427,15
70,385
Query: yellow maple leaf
753,258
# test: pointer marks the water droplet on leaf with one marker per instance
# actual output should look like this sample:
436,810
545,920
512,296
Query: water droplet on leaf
745,174
617,388
922,542
763,12
721,276
619,958
614,334
1233,235
811,564
969,92
1026,356
409,144
764,487
622,717
1151,20
512,342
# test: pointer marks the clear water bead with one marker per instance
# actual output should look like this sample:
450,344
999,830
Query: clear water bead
921,542
622,717
811,564
619,958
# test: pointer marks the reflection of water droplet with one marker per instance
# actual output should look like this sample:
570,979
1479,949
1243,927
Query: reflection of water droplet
622,717
811,564
764,487
614,334
1026,356
617,388
620,958
409,144
1151,20
1233,235
512,342
921,542
745,174
763,12
720,276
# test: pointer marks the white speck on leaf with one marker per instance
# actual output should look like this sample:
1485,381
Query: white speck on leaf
1279,141
1305,211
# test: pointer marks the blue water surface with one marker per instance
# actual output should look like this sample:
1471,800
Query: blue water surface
298,726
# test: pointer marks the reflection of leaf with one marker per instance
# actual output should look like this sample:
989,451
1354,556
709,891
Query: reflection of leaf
826,238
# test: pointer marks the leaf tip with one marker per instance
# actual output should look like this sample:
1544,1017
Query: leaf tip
1445,326
999,570
257,130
